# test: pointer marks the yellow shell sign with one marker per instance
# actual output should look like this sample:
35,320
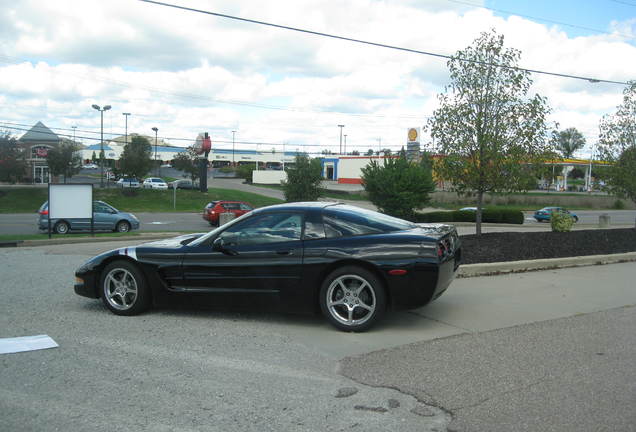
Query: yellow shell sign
413,134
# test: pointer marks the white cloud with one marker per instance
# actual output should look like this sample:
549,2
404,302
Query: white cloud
185,72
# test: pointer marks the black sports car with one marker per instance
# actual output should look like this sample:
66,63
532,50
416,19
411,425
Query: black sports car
351,263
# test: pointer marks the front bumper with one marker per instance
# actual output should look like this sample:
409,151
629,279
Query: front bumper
85,285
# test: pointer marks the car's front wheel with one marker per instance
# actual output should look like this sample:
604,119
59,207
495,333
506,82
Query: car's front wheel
122,226
123,289
352,299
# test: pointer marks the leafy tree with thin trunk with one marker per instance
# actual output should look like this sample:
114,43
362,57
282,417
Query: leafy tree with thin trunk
569,142
136,159
12,160
64,160
303,180
491,134
188,162
617,146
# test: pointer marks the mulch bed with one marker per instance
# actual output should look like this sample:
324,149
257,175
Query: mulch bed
515,246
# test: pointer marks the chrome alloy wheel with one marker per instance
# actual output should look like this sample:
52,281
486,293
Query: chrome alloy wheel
120,289
351,300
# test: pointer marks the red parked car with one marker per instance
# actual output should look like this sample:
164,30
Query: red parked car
213,209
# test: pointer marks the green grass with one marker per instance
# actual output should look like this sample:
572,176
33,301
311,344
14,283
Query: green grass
29,200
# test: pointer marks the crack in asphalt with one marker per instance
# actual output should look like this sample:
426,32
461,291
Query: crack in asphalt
515,390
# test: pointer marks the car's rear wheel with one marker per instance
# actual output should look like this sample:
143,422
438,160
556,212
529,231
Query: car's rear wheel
122,226
123,289
352,299
61,227
576,219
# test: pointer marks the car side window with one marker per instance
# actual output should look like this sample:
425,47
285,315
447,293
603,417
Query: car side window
343,224
264,229
245,207
101,208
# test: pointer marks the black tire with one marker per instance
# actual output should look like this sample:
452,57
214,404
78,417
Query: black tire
123,288
62,227
122,226
352,299
213,224
576,219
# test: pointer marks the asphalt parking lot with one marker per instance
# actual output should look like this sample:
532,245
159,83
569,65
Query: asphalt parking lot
194,369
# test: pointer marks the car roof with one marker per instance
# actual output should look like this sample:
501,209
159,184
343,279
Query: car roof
310,205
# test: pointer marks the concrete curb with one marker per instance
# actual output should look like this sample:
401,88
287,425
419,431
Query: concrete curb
489,269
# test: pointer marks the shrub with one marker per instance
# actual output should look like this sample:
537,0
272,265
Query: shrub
226,169
245,171
618,205
561,222
398,186
487,216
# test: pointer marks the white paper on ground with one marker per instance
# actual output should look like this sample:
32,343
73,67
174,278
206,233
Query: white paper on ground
26,343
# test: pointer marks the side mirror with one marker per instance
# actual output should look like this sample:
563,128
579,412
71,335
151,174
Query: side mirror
219,246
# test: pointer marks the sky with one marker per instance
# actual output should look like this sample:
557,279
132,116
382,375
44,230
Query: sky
186,73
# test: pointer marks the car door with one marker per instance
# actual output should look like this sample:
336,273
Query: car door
259,254
103,216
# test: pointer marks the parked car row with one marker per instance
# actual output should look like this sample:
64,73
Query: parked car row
156,183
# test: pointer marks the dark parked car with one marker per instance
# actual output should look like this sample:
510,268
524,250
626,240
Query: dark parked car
545,213
350,263
105,218
213,209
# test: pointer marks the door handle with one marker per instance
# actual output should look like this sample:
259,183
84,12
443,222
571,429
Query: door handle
284,252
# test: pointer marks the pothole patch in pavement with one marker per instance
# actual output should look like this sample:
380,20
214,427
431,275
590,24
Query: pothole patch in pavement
387,406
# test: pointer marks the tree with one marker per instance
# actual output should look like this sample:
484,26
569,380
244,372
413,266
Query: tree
369,152
64,160
398,187
303,180
94,157
188,162
136,159
12,161
617,146
492,136
569,141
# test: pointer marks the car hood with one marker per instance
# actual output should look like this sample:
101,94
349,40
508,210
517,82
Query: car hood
173,242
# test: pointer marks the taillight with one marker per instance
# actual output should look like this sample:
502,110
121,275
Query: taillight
44,212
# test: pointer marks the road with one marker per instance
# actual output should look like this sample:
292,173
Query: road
513,351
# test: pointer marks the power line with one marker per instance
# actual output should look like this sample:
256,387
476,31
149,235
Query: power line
381,45
624,2
542,19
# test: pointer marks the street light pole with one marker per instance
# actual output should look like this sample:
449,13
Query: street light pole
156,168
345,146
340,126
126,139
233,163
101,147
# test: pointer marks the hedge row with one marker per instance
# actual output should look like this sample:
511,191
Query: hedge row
487,216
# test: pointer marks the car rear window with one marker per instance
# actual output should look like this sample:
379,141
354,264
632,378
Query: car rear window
341,221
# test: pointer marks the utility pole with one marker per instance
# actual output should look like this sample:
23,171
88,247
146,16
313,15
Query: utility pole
233,162
126,139
156,167
340,126
345,146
